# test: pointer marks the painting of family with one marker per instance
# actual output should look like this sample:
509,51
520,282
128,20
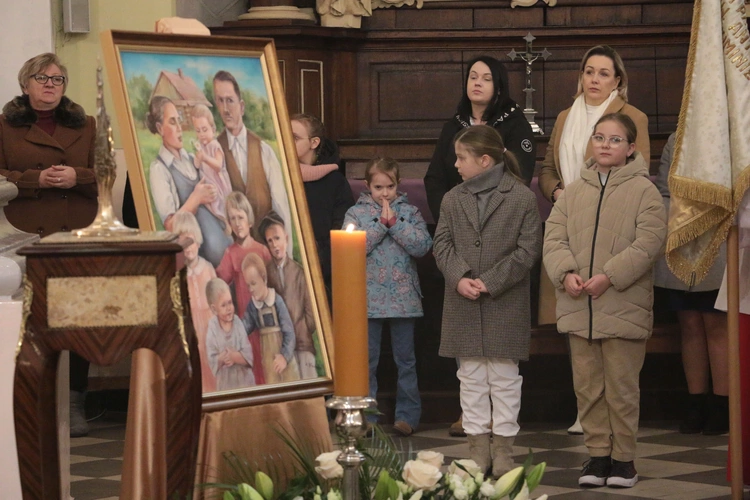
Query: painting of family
214,171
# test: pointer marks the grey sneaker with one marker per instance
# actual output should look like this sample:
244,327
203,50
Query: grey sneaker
595,472
622,475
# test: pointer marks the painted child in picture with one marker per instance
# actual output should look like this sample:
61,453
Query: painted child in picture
229,353
199,272
209,157
287,277
267,313
241,219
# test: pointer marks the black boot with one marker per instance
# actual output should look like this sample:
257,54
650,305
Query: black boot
718,416
695,415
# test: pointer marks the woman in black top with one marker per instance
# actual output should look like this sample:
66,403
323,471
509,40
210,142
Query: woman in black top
486,101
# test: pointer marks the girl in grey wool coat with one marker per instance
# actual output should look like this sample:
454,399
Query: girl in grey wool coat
396,235
488,238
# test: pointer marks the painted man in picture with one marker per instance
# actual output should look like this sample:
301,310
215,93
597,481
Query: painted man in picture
251,163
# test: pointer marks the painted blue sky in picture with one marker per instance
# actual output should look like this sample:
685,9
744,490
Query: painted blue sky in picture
247,70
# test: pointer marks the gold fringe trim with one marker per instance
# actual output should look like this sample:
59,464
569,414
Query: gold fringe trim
725,200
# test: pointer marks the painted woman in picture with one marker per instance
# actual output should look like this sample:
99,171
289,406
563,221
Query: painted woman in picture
175,183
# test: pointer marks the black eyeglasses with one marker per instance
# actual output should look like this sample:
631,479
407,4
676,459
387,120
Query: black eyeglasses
57,80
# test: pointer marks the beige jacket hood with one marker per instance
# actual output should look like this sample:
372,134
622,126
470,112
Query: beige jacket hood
617,229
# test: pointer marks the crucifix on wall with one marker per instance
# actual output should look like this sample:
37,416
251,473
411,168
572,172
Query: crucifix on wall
529,57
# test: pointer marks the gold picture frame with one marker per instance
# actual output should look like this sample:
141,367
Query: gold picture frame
168,90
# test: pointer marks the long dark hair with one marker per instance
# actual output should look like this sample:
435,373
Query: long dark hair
500,81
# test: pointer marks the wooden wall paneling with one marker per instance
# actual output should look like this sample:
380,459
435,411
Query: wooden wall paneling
610,15
407,94
670,63
668,14
639,64
341,95
312,88
438,19
502,18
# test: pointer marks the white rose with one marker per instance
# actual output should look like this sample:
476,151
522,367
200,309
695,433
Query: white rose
327,466
431,457
420,475
460,493
470,466
487,489
454,481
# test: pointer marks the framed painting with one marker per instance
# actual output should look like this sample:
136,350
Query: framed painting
211,157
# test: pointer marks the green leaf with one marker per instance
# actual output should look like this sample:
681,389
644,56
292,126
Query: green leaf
383,487
534,477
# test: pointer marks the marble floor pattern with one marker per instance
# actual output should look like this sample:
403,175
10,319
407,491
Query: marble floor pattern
671,466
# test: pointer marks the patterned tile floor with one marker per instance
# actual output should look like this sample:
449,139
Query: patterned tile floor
671,466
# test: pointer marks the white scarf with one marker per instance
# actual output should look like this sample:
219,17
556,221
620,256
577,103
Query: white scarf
579,126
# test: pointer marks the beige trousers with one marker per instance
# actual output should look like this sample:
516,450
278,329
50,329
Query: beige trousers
605,377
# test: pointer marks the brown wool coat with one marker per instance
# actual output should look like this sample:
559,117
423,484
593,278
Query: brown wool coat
632,226
550,177
26,150
501,250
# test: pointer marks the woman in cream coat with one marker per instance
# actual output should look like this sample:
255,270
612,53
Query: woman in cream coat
602,89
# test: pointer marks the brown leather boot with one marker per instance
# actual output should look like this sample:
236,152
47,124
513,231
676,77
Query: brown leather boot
479,451
502,454
457,428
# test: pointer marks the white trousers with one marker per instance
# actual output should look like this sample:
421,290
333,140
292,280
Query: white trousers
490,392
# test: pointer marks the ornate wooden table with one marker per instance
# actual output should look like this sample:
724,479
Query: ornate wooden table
103,300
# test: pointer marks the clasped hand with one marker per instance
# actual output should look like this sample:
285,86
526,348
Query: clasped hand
58,176
595,286
471,288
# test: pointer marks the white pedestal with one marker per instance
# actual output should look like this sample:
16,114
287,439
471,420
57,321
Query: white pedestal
10,322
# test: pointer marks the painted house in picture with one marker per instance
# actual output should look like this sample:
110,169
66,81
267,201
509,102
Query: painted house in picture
183,92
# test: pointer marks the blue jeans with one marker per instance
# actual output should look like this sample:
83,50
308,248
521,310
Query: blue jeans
408,402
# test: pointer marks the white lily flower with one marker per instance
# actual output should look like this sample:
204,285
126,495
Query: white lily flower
524,493
505,484
417,495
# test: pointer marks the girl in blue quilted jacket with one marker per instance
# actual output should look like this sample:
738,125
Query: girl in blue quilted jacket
396,236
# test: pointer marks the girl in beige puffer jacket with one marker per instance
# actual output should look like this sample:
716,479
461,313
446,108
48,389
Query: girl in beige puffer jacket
601,241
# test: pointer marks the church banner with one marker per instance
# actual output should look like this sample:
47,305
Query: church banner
711,166
211,157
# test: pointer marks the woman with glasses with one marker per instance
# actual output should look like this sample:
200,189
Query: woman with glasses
47,151
602,89
176,184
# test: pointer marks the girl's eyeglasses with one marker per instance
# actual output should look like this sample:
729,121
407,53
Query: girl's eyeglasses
57,80
613,141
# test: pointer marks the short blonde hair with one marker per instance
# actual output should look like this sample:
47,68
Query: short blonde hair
39,63
238,201
253,260
606,51
202,111
214,288
185,222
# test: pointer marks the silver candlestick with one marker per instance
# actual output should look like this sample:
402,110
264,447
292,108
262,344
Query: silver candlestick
351,425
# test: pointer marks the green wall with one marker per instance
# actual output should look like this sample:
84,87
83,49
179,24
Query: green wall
81,52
